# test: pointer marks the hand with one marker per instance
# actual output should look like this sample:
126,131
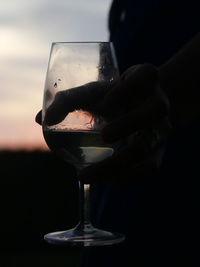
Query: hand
136,110
88,99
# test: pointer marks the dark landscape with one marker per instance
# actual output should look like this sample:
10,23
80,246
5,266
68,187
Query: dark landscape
38,194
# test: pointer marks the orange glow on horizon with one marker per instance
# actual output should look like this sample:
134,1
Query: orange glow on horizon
23,146
22,134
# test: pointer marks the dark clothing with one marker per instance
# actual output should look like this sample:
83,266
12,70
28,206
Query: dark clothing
151,30
160,218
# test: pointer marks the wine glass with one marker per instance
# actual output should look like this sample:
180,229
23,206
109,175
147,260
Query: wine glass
76,138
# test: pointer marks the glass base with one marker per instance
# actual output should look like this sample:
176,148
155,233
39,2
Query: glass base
88,236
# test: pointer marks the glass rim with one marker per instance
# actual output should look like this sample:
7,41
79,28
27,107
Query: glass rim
83,42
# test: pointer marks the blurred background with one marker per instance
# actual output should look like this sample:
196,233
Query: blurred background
27,29
38,192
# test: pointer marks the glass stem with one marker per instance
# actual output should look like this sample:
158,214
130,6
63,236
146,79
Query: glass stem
84,207
84,203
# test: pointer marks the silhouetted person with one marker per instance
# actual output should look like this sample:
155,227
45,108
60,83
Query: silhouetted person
149,189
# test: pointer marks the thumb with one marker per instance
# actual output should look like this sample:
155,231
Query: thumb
38,117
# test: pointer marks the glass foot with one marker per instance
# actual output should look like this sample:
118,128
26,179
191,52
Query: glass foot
84,237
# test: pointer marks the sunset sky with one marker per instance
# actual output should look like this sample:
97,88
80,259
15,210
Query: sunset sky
27,29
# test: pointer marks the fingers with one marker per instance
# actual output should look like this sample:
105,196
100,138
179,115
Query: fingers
121,169
143,77
152,111
135,85
138,159
59,109
86,97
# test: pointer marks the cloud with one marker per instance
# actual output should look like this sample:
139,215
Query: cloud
58,18
27,29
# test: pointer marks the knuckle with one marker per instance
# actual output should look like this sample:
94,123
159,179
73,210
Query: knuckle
163,102
149,67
